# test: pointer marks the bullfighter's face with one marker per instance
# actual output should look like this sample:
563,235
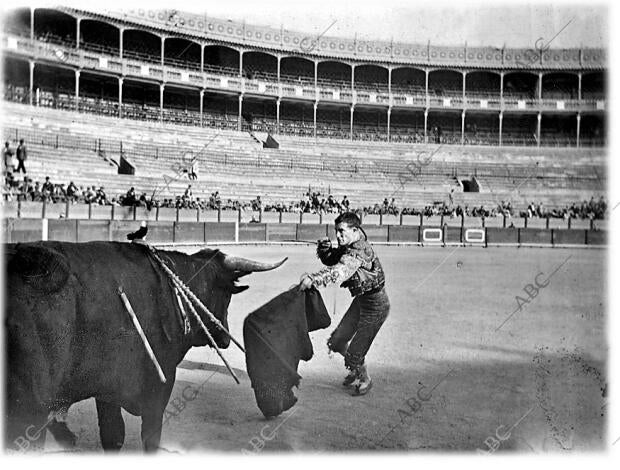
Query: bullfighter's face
345,234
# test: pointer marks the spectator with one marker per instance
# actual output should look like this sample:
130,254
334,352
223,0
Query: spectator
7,158
22,155
130,197
193,170
47,189
72,192
189,195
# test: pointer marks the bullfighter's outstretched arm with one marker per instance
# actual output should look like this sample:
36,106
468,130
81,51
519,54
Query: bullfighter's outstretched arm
338,273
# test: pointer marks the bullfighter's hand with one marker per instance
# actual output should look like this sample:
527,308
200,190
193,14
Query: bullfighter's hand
305,282
324,243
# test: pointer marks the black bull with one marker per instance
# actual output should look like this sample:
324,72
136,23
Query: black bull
70,338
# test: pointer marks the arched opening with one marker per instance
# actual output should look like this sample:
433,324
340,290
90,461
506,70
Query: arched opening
369,124
98,94
260,66
407,126
371,78
520,85
593,130
558,130
482,84
297,118
140,100
444,127
408,80
54,87
445,83
258,115
221,60
141,45
334,74
594,86
220,111
333,121
560,86
519,129
181,106
100,37
182,53
16,80
481,128
54,26
297,70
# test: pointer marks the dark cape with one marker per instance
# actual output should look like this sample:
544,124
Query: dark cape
276,339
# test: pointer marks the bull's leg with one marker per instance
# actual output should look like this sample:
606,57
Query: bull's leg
111,426
152,416
151,428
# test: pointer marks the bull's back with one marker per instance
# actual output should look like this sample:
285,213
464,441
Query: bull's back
72,334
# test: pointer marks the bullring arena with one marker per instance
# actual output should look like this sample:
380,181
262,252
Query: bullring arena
479,175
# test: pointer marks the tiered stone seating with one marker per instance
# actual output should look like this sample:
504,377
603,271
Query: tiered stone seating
234,164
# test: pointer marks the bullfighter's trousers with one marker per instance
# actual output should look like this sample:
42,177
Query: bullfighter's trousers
359,326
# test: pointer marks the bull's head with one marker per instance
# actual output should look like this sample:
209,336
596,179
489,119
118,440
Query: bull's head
216,282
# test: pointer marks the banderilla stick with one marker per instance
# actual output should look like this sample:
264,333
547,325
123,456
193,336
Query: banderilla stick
211,340
193,297
140,331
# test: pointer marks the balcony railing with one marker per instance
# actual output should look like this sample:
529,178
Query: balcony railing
142,65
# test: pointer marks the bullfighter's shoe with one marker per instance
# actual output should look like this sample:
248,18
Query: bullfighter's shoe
349,379
363,383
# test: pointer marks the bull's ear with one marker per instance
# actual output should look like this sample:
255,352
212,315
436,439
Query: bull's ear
237,289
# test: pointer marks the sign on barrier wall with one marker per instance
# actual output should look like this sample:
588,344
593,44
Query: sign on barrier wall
252,233
33,229
432,235
93,230
474,235
403,233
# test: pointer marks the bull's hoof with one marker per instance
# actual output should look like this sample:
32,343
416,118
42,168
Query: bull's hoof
62,434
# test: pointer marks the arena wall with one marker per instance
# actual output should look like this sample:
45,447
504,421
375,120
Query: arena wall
16,230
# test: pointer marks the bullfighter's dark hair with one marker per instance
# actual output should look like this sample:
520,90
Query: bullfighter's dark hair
349,218
352,220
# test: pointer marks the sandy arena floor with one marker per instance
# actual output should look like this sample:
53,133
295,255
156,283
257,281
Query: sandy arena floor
445,377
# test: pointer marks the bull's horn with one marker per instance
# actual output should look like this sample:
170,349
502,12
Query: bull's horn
235,263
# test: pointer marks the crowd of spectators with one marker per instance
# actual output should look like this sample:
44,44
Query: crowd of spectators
313,202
